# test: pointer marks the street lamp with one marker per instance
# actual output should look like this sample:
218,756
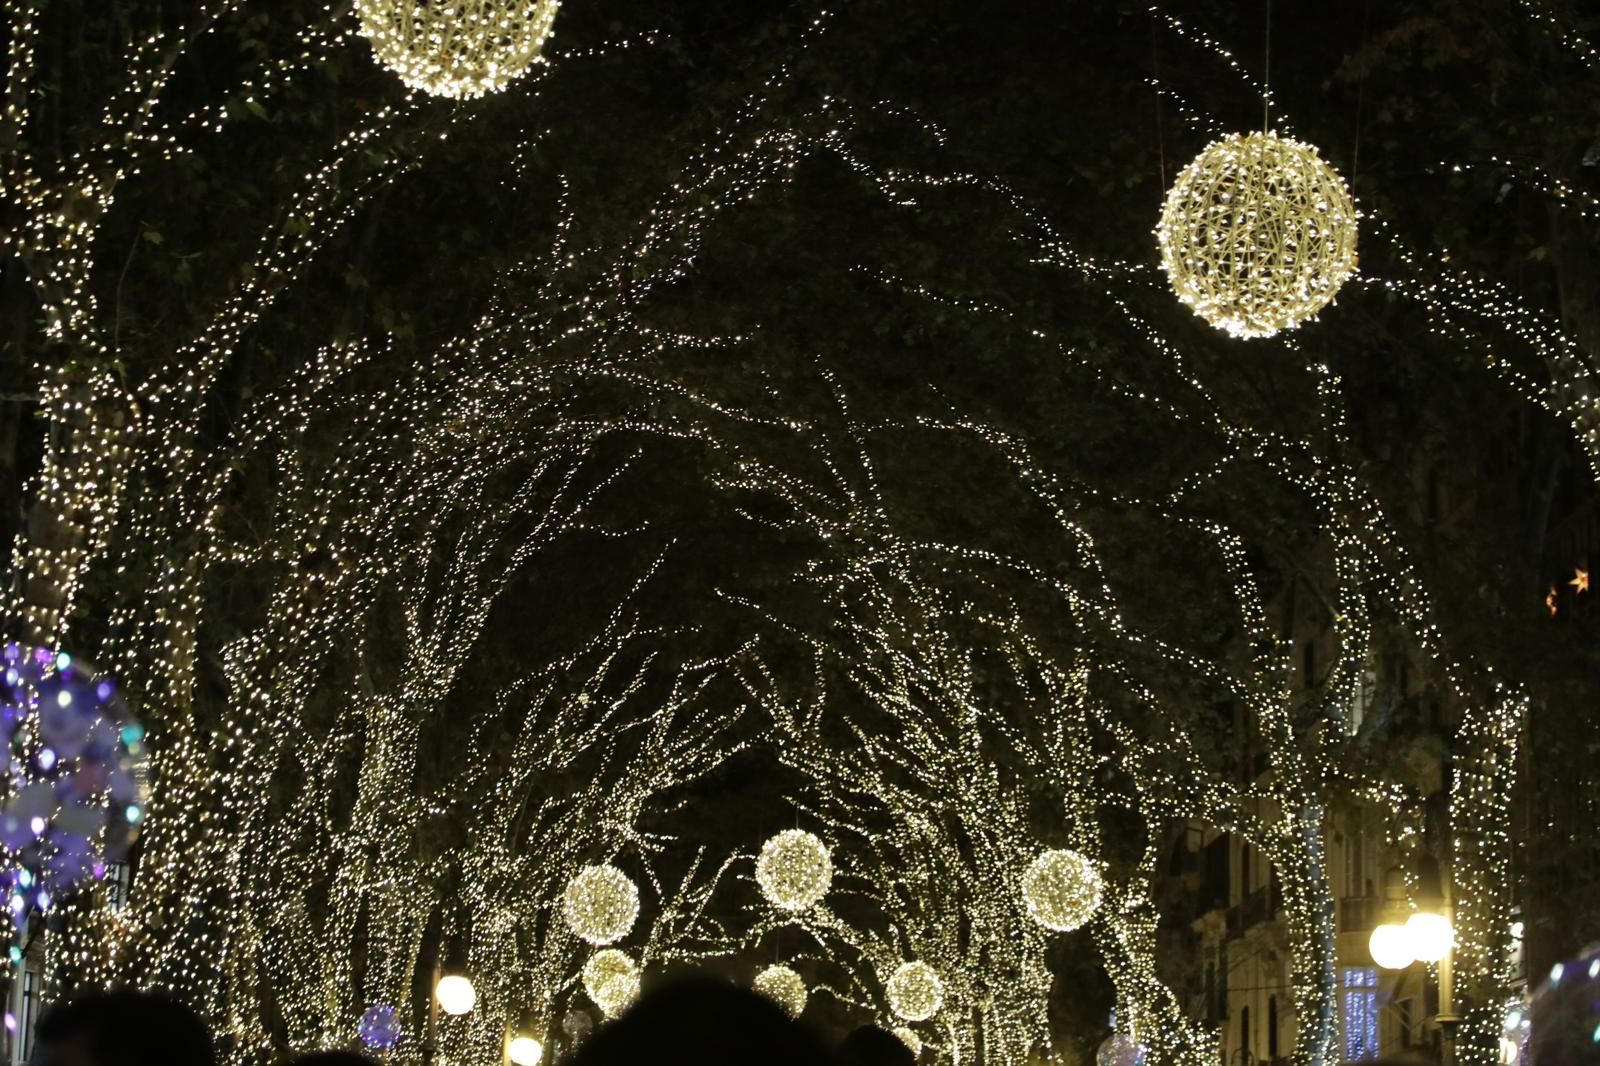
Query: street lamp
455,994
525,1051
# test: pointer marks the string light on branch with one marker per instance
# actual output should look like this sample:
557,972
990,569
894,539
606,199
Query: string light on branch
1062,890
915,992
600,904
611,979
457,48
1258,234
794,870
784,987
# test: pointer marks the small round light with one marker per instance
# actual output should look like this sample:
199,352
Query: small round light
455,994
1429,936
525,1051
1390,947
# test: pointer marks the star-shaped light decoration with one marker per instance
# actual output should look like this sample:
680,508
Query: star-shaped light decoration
1581,580
1550,601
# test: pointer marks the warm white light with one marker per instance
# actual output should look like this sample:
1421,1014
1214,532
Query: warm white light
1509,1051
1061,890
455,995
794,870
1257,234
1428,936
600,904
1391,947
784,987
525,1051
910,1039
461,49
612,980
915,992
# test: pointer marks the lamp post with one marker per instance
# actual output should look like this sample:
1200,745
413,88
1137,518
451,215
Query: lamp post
1425,937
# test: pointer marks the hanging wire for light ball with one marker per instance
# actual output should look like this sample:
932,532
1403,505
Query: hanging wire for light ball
457,48
1258,234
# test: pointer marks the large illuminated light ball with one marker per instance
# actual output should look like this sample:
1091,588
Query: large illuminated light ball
794,870
379,1027
1258,234
457,48
915,992
909,1038
1120,1049
1391,947
600,904
455,995
1062,890
525,1051
611,979
784,987
1429,936
73,801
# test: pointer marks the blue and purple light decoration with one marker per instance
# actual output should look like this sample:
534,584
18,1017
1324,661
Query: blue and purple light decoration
72,801
378,1028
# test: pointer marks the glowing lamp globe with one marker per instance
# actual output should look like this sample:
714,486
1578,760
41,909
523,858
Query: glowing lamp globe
915,992
455,995
1429,936
909,1038
525,1051
1062,890
784,987
794,870
611,979
600,904
1257,234
457,48
1390,947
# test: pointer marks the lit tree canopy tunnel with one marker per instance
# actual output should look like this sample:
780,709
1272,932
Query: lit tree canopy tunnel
743,494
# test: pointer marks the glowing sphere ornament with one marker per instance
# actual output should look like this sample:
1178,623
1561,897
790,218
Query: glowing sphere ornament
612,980
378,1027
73,801
915,992
794,870
784,987
1120,1049
1257,234
457,48
455,995
1062,890
909,1038
600,904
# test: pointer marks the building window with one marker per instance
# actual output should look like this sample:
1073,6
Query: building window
24,1011
1358,1014
1272,1027
117,881
1244,1033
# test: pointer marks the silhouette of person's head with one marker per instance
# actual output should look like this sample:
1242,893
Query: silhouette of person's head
701,1022
122,1028
872,1046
